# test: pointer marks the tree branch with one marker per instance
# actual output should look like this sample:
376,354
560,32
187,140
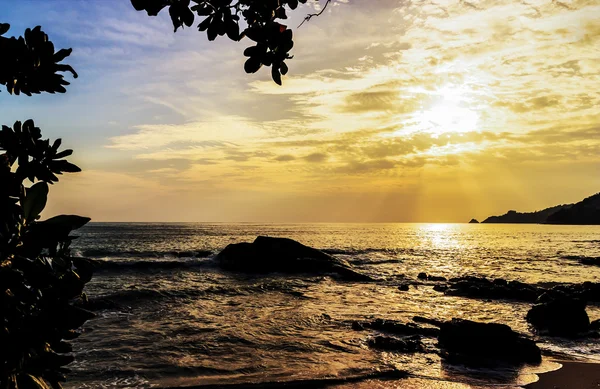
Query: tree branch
310,16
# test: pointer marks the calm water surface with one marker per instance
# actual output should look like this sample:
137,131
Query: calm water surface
182,321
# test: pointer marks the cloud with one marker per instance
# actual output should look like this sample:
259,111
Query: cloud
316,157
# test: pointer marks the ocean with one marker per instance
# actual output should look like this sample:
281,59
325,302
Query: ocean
173,318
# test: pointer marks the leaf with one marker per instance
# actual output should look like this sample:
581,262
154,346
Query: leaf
276,75
64,153
4,27
72,222
27,381
204,24
284,68
35,201
64,166
252,65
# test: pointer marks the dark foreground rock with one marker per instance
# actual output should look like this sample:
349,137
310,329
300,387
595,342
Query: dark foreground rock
408,345
267,254
476,343
396,327
483,288
558,314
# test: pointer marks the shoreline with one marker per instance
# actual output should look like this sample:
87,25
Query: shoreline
571,375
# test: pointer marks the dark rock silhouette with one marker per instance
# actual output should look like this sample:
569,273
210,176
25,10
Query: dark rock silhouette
267,254
395,327
595,325
412,344
586,211
499,289
558,314
474,221
476,343
460,341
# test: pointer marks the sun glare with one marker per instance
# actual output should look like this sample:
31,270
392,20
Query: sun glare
449,113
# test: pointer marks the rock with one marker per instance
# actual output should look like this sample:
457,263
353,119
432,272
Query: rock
267,254
433,322
559,314
476,343
440,287
412,344
436,278
595,325
474,221
399,328
403,287
427,277
483,288
356,326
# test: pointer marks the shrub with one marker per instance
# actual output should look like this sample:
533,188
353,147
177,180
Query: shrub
39,279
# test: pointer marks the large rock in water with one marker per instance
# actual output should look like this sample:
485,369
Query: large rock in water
267,254
474,343
559,314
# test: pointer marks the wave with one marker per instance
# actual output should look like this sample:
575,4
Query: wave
358,262
357,377
111,265
404,251
100,253
130,297
581,258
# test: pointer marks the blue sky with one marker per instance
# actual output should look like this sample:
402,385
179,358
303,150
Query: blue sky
392,111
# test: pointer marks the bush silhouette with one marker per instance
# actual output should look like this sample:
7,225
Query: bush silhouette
39,280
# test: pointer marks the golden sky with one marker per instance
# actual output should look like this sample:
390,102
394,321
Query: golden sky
393,110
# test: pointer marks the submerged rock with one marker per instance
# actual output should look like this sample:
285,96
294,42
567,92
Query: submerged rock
471,342
267,254
483,288
412,344
398,328
558,314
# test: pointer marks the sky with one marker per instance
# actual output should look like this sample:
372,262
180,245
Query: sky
393,111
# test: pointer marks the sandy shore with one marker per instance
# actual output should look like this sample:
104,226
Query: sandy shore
572,375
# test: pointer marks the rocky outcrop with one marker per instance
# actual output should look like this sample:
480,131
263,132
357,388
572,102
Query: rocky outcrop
395,327
474,221
283,255
559,314
498,289
460,341
408,345
476,343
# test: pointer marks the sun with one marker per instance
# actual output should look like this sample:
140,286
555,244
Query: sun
449,112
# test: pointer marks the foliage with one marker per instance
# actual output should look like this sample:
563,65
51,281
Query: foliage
39,280
30,65
227,17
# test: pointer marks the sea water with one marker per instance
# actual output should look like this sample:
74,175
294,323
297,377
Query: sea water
178,320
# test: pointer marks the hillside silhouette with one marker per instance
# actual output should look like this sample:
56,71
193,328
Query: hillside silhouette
585,212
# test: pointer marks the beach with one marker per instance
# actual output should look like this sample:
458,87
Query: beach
572,375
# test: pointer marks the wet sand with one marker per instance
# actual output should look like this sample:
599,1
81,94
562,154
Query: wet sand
572,375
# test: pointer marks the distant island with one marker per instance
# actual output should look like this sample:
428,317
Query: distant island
585,212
